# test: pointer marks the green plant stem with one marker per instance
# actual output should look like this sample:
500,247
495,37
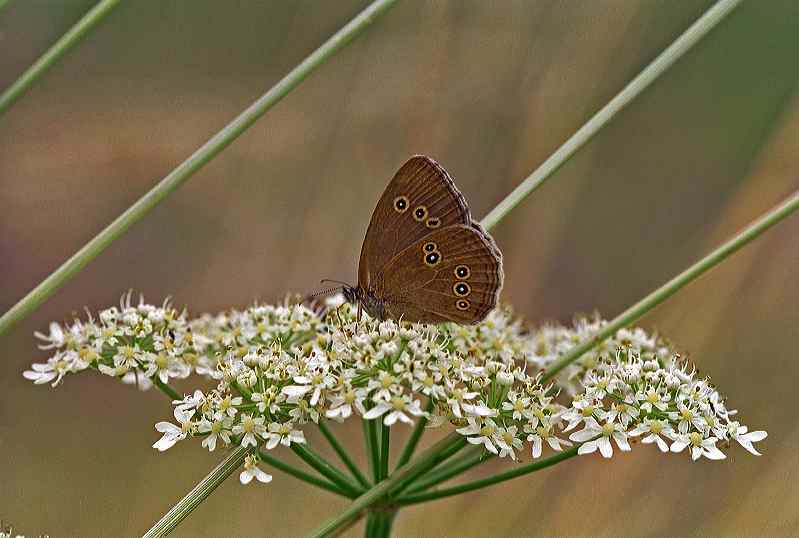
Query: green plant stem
373,448
635,312
413,498
474,457
198,494
399,478
302,475
343,455
385,440
166,389
416,435
635,87
325,469
55,52
187,168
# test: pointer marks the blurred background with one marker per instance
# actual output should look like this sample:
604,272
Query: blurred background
489,90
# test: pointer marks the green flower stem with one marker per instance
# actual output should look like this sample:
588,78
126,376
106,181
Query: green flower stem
54,53
373,446
302,475
475,456
187,168
166,389
413,498
635,87
198,494
325,469
399,478
343,455
416,435
371,523
635,312
385,440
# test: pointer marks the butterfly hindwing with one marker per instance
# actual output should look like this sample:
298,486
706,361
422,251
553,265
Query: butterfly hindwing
451,274
419,200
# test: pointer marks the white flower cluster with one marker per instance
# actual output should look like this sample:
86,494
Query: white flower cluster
134,343
281,367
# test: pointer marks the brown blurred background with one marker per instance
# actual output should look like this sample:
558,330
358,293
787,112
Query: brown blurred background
488,89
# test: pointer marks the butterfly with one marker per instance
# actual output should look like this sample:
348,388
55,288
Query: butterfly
423,258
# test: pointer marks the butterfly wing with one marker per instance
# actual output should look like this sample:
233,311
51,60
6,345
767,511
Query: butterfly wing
420,199
452,274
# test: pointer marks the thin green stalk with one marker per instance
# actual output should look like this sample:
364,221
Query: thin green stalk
416,435
54,53
371,523
385,440
325,469
632,314
187,168
166,389
474,457
634,88
373,445
413,498
198,494
302,475
343,455
408,472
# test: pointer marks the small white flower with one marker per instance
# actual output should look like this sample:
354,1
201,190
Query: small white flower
655,428
738,433
172,433
189,404
507,442
687,417
54,369
251,470
220,427
395,409
55,339
481,431
251,428
699,446
602,442
283,434
341,404
543,432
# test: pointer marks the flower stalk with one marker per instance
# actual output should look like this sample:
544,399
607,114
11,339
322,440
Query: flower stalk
198,494
343,455
413,498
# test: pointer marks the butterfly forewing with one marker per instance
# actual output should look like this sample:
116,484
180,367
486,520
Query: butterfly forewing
451,274
419,200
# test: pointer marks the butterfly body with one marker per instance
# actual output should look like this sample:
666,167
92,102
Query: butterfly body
423,259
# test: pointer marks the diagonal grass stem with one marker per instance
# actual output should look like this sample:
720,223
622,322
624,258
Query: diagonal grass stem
634,88
196,161
54,53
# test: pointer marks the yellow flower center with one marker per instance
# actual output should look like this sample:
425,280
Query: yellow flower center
588,410
398,403
608,429
248,425
487,430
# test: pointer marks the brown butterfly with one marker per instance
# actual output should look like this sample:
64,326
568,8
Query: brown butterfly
423,258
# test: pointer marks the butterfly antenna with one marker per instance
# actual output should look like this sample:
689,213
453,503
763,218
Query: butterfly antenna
323,292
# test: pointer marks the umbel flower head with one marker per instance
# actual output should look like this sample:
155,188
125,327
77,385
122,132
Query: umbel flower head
281,367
